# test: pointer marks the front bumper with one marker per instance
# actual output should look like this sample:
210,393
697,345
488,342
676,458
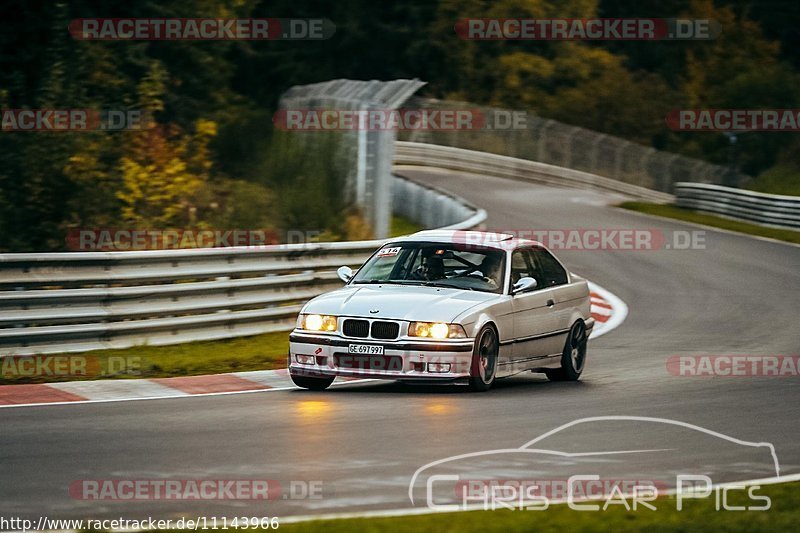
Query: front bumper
402,359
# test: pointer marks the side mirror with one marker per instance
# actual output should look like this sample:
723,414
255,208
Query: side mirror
345,273
525,284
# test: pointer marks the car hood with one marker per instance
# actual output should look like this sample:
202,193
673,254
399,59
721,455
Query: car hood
429,304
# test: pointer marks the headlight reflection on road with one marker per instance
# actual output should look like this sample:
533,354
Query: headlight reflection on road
440,408
313,417
312,410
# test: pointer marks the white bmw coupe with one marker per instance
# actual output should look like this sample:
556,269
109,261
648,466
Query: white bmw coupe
446,306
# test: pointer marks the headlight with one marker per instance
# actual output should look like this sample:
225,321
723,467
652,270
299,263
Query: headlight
436,330
317,322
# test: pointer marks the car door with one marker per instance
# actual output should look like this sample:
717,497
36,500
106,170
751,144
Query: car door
534,319
554,277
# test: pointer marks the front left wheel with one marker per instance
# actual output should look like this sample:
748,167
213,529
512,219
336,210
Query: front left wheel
311,383
484,360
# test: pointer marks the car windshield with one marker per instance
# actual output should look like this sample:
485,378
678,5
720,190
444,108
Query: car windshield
459,266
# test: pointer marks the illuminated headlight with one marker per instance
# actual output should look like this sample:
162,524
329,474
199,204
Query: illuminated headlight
436,330
317,322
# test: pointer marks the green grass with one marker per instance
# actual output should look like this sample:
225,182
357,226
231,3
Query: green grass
697,515
780,179
679,213
258,352
403,226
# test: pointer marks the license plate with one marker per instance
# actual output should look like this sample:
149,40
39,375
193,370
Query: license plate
365,349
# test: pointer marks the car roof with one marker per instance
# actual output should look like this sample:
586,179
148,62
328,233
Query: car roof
487,239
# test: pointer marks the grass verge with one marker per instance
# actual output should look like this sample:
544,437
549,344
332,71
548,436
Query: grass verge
402,226
697,515
780,179
679,213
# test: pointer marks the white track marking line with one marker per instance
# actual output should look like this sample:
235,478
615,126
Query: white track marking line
389,513
173,396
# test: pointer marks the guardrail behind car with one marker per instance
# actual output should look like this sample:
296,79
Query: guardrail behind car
769,209
433,155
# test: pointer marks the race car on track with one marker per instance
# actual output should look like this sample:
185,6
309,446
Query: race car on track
446,306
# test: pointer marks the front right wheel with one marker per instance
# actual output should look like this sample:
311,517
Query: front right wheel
574,356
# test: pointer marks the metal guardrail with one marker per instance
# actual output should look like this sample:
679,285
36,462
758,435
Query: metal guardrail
78,301
413,153
768,209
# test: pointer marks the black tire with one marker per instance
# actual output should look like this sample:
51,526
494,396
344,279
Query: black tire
484,360
573,359
312,383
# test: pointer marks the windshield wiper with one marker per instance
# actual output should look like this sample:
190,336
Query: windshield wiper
392,281
420,283
426,283
467,288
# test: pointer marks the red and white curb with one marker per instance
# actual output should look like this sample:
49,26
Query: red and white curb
607,310
116,390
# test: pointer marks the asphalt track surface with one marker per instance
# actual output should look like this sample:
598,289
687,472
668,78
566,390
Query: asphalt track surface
363,442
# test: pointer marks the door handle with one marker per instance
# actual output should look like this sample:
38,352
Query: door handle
550,303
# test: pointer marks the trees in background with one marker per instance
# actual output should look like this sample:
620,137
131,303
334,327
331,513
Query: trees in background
209,156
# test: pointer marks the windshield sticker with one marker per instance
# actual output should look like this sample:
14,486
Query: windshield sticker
388,252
